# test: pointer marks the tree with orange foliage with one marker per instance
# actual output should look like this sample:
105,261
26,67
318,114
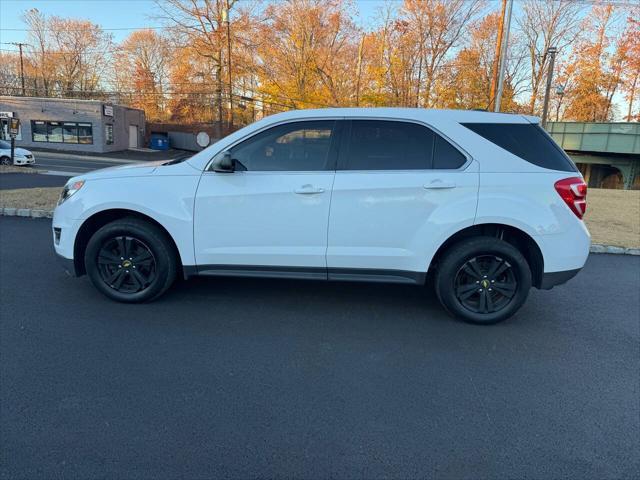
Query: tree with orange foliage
435,27
9,73
67,56
545,24
631,72
141,68
468,80
307,56
596,69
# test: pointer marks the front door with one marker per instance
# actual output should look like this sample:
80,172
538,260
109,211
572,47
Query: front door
399,189
133,136
270,215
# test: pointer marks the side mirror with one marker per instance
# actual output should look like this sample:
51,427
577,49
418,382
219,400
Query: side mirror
224,164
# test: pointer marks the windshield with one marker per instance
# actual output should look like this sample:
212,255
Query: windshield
4,144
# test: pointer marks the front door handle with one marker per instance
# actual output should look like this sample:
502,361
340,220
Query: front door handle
308,190
439,184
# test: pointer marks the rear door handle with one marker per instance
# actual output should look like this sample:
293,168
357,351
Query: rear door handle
308,190
439,184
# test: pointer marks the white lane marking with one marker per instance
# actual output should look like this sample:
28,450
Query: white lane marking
61,173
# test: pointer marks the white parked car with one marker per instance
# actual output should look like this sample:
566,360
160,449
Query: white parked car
21,156
483,205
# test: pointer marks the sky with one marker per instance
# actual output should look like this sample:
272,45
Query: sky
121,17
125,14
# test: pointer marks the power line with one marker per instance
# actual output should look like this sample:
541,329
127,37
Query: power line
104,29
47,52
107,93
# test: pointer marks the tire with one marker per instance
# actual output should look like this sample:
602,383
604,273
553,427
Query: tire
5,161
482,280
139,249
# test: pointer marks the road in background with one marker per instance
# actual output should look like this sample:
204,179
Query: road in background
71,166
248,378
75,164
10,181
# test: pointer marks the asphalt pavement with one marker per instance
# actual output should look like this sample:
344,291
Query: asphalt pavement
246,378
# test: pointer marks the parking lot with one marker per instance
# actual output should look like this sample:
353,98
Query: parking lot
263,378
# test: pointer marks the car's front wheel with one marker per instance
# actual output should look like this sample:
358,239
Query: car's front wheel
5,161
483,280
130,260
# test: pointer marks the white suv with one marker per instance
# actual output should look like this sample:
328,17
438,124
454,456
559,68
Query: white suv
484,205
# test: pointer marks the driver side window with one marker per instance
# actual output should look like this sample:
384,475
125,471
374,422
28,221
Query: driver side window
298,146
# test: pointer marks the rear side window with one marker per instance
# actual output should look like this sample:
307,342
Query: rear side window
526,141
389,145
396,145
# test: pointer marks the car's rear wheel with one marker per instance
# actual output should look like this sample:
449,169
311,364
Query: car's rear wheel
483,280
130,260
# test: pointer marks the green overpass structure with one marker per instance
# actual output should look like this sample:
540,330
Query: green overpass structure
607,154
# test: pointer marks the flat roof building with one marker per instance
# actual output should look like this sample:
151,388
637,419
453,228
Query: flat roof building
72,125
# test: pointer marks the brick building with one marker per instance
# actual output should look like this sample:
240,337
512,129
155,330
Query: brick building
73,125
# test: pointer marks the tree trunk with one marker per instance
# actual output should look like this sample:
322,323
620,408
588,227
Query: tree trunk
631,96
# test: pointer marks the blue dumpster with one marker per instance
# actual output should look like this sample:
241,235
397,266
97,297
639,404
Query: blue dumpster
159,141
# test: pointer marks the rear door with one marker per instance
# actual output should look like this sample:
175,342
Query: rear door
400,189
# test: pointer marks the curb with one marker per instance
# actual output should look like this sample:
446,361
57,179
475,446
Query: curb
26,212
35,213
597,248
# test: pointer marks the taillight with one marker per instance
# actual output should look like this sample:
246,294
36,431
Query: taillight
574,193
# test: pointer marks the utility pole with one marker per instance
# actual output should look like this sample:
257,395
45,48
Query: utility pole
552,59
226,18
20,45
503,56
496,58
219,94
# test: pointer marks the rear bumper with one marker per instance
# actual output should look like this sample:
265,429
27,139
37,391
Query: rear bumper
551,279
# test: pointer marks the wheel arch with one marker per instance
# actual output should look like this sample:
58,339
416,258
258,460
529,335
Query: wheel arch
513,235
99,219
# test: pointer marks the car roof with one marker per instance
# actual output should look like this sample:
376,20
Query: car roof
431,115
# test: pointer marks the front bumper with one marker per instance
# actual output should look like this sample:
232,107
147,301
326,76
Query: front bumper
23,161
552,279
68,265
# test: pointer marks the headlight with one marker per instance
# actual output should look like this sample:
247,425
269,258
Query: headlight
69,189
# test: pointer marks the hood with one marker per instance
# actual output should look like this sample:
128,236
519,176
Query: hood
22,151
119,171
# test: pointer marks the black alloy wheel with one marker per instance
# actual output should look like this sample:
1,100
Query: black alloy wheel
482,280
131,260
485,284
126,264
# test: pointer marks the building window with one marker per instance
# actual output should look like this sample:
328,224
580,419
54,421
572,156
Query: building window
54,132
108,133
39,131
61,132
85,133
70,132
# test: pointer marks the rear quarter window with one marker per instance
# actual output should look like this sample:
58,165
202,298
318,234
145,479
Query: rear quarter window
527,141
